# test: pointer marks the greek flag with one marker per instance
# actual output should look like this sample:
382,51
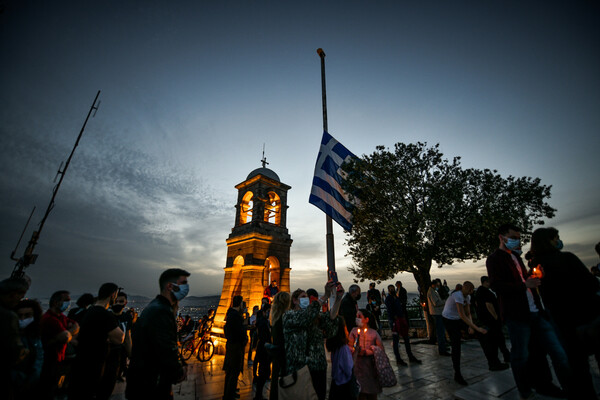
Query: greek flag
326,192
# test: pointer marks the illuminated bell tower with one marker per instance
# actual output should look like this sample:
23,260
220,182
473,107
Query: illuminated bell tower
258,248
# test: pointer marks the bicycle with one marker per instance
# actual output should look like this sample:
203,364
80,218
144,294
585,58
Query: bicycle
202,344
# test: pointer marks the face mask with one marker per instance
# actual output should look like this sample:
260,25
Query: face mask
65,306
304,302
118,308
183,291
374,302
559,244
359,322
24,323
512,244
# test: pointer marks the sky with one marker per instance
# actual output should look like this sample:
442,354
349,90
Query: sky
191,90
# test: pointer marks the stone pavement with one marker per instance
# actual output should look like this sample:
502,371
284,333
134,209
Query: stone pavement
431,380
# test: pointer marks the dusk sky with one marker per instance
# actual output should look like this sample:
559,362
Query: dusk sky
192,89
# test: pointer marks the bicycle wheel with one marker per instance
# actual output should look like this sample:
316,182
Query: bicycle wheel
206,350
187,349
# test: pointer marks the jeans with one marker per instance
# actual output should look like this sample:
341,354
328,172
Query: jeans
454,328
540,329
440,333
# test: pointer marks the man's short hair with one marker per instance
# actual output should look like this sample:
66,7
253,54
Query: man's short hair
504,228
107,290
372,284
398,283
236,301
312,292
57,297
85,300
353,289
171,276
484,279
12,285
122,294
468,284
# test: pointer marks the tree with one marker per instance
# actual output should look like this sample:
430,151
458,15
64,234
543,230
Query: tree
416,207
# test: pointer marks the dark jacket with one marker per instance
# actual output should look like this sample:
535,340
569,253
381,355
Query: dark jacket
394,308
155,363
348,309
508,285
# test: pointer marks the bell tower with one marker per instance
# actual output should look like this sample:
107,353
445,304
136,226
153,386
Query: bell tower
258,248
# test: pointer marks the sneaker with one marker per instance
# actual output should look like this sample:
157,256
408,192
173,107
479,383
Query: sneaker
499,367
458,378
414,360
401,362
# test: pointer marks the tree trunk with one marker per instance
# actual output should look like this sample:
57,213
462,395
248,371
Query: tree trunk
423,279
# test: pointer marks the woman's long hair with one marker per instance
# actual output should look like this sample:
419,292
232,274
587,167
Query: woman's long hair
281,303
540,241
340,339
372,321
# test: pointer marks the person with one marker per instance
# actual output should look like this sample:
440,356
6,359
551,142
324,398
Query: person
253,337
26,375
349,306
281,304
374,304
486,306
271,291
99,328
235,333
561,270
444,291
399,325
57,330
525,317
402,294
262,359
155,364
12,350
83,303
436,306
457,314
304,327
116,361
365,337
342,364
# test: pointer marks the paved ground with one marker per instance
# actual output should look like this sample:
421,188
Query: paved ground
431,380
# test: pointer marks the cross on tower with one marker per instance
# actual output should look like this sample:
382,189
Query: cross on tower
264,159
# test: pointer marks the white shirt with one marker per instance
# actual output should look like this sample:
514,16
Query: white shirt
532,306
450,308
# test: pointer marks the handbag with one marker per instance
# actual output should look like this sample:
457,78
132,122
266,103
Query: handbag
297,386
385,373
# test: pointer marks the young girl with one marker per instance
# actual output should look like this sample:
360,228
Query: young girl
366,335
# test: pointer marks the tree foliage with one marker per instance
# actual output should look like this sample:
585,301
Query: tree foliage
416,207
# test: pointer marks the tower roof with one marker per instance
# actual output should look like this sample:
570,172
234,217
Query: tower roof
265,172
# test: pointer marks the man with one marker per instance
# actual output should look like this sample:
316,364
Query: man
374,299
402,294
524,314
155,364
349,306
57,330
436,306
235,333
486,305
12,351
116,361
457,315
98,328
271,291
399,326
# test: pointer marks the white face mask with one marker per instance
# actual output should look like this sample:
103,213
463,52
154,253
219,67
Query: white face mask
304,302
359,322
24,323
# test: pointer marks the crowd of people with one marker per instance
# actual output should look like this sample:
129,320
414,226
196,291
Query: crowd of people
81,352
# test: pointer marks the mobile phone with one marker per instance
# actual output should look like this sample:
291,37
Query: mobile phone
333,276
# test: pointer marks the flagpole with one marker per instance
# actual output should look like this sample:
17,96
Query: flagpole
328,220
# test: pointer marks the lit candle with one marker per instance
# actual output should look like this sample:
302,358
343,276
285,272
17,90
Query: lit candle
357,339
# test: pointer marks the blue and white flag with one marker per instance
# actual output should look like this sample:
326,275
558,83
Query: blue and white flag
326,192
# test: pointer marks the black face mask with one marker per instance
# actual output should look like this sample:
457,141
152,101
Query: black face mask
118,308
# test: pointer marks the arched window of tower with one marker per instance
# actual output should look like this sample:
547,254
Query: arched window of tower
273,209
246,208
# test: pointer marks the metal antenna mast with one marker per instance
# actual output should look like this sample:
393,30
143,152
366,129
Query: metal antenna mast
28,257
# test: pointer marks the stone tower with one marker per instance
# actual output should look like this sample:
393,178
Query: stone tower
258,248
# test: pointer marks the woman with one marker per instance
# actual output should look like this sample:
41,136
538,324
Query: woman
365,337
343,381
564,276
457,316
399,326
26,375
281,303
304,327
